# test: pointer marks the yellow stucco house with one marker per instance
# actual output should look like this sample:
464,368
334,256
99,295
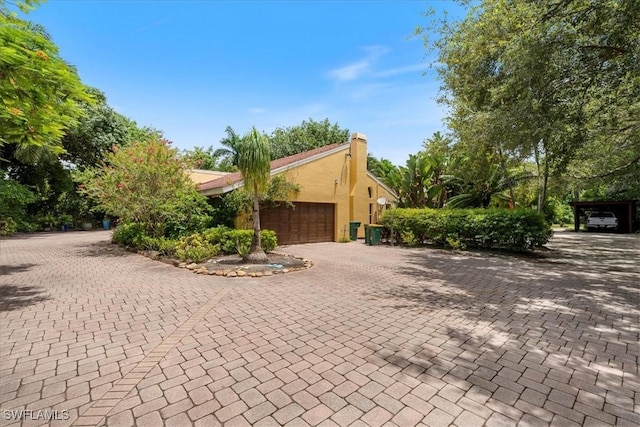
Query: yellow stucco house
200,176
335,188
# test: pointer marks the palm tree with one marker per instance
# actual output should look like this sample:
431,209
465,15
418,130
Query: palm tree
255,166
230,155
496,188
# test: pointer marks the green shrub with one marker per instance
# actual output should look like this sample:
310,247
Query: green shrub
216,235
128,234
14,199
161,244
517,230
243,247
408,238
235,241
196,248
7,226
558,212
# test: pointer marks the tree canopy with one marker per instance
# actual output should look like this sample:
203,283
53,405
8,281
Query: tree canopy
553,82
98,130
308,135
40,92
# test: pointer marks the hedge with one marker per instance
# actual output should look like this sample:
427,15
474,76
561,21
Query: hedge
196,246
512,229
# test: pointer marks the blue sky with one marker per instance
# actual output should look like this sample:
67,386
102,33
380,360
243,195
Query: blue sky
192,68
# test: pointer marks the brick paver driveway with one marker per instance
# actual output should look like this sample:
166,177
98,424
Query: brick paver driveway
368,336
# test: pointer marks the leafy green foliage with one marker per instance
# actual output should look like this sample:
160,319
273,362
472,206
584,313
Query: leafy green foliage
552,81
254,162
230,156
134,236
196,248
255,166
239,201
230,239
98,130
128,234
14,199
558,212
513,229
207,159
304,137
40,93
146,183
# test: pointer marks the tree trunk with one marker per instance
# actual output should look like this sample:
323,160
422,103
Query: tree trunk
503,164
545,184
256,255
538,175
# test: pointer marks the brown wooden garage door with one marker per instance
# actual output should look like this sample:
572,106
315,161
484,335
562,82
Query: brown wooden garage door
306,223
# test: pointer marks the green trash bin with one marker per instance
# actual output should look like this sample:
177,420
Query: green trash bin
367,234
353,230
375,234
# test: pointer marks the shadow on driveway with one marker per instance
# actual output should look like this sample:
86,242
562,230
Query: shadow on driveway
102,249
14,297
578,304
6,270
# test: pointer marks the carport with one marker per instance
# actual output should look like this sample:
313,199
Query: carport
624,210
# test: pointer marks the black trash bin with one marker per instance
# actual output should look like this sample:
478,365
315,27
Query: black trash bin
353,229
367,234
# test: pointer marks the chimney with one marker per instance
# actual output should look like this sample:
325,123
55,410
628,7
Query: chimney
357,172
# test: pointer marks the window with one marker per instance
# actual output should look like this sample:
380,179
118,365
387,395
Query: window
602,215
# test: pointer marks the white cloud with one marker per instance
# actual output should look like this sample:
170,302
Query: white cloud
351,71
358,68
402,70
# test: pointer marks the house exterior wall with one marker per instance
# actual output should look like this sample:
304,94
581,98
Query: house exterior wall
340,178
325,180
343,180
377,191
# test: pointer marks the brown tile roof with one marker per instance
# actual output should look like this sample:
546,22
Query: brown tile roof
236,177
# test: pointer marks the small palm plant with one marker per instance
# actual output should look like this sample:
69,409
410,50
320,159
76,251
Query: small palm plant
254,162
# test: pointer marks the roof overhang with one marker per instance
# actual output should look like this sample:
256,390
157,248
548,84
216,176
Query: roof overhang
587,204
239,184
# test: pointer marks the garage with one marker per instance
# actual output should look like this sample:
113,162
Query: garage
624,210
302,223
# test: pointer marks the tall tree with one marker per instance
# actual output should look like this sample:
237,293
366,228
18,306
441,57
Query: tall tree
40,93
254,162
304,137
545,79
98,130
